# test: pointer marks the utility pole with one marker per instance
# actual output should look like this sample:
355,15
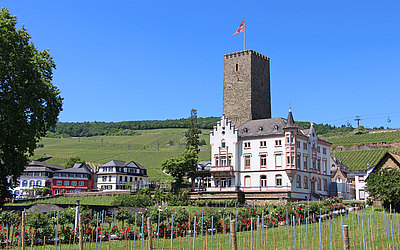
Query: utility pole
357,119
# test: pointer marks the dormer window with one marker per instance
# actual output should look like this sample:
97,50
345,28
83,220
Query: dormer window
245,130
276,127
260,128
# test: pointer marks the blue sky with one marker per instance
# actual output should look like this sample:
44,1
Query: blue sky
147,60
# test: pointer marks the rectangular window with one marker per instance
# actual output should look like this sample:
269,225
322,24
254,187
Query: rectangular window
298,161
109,178
104,178
263,161
362,194
246,145
278,143
305,182
361,179
324,166
216,161
247,161
73,183
324,151
66,183
298,144
59,183
319,164
229,160
120,178
319,149
305,145
263,144
223,160
81,183
278,160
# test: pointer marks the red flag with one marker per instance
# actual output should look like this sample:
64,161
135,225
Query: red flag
240,29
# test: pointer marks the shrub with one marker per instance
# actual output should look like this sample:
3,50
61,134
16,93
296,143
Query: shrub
128,200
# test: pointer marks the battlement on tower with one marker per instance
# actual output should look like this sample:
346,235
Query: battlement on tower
246,52
246,87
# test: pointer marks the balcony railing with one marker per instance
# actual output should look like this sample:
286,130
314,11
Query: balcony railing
250,189
221,169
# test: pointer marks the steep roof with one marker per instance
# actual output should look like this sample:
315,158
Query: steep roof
272,126
290,121
44,164
115,163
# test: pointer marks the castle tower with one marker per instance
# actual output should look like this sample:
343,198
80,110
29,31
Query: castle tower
246,87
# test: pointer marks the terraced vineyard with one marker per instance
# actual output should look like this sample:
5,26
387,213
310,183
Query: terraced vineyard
363,139
358,160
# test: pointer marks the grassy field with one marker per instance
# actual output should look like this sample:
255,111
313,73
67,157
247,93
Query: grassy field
148,147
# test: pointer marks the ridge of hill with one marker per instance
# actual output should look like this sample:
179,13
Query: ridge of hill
88,129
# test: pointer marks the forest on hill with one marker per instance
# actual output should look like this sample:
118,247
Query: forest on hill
88,129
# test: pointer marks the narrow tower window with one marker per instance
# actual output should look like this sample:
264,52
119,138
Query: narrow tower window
237,67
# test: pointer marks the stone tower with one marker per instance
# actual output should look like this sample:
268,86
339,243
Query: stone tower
246,87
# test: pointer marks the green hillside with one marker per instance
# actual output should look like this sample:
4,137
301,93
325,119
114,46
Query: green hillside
358,160
362,139
147,147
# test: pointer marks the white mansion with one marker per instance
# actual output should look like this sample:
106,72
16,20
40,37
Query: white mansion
271,158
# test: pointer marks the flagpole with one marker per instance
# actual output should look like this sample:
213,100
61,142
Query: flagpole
244,37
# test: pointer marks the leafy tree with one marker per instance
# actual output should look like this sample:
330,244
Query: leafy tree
181,166
29,102
72,161
192,134
385,185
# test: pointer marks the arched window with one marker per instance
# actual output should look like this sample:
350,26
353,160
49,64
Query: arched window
39,183
298,181
263,181
32,183
325,185
305,182
278,180
223,144
24,183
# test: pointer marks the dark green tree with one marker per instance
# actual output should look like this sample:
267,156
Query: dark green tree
181,166
192,134
385,185
192,141
29,102
72,160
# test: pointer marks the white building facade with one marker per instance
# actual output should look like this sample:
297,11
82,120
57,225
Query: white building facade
269,158
121,175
